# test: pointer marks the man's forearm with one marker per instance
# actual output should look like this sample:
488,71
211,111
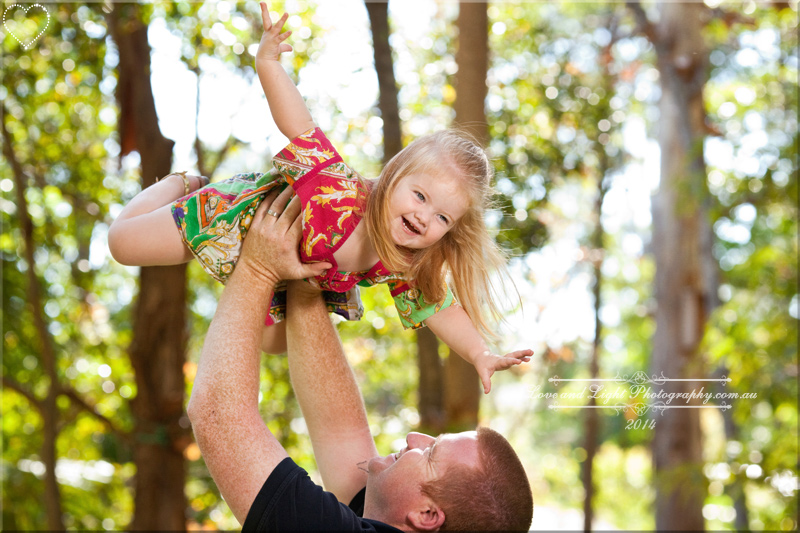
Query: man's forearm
328,395
238,449
230,355
286,104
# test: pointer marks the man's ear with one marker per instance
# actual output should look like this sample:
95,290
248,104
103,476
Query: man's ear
428,518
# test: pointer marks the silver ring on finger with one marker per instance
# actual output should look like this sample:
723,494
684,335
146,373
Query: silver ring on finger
273,213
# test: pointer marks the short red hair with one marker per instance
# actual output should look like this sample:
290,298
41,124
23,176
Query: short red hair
494,496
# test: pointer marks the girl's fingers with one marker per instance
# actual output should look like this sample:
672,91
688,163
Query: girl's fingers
520,354
516,360
281,21
285,35
265,16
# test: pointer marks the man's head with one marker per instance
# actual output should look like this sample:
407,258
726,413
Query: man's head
463,481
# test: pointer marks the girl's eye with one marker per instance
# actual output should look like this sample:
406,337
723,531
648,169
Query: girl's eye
443,218
420,196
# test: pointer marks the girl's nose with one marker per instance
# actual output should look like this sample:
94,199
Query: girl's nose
422,218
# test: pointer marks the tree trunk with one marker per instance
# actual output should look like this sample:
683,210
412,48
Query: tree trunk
47,407
159,326
462,394
734,490
472,58
387,85
430,404
681,237
431,383
592,424
462,386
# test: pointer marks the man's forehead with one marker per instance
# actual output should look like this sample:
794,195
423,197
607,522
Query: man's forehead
457,447
463,436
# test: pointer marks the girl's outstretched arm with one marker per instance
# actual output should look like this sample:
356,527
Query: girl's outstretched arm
285,102
454,328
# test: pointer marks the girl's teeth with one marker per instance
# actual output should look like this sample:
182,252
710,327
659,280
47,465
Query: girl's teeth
409,226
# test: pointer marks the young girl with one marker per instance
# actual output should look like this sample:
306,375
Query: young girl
422,218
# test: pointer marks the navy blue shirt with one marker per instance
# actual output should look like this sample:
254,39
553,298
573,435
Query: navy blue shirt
290,501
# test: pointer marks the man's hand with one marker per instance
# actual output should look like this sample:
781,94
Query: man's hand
488,363
272,46
270,251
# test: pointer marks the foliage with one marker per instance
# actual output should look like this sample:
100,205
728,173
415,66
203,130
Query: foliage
572,91
753,335
56,109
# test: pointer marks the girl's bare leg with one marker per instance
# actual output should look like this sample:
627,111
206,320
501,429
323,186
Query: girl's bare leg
273,338
144,233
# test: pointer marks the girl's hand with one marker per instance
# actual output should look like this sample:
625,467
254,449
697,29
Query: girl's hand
488,363
272,46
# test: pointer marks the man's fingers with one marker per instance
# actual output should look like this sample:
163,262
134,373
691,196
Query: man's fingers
297,225
279,206
266,203
293,209
290,217
314,269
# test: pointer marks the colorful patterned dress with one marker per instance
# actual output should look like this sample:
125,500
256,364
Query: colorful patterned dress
214,220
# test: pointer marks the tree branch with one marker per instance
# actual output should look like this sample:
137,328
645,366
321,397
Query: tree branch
26,225
47,407
13,385
645,27
231,143
73,395
200,151
732,17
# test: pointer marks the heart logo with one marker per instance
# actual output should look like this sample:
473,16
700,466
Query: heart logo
24,25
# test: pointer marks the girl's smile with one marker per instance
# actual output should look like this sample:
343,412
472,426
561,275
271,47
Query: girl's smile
423,208
409,227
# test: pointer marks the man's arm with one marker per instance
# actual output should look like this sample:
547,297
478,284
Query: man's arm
285,102
327,393
238,449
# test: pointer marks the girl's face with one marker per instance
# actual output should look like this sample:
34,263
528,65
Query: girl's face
423,208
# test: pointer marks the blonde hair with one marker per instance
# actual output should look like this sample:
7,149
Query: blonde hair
467,251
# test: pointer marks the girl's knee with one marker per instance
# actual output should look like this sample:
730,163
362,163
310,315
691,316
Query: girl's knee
116,243
150,239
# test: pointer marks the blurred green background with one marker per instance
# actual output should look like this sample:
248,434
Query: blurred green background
573,128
